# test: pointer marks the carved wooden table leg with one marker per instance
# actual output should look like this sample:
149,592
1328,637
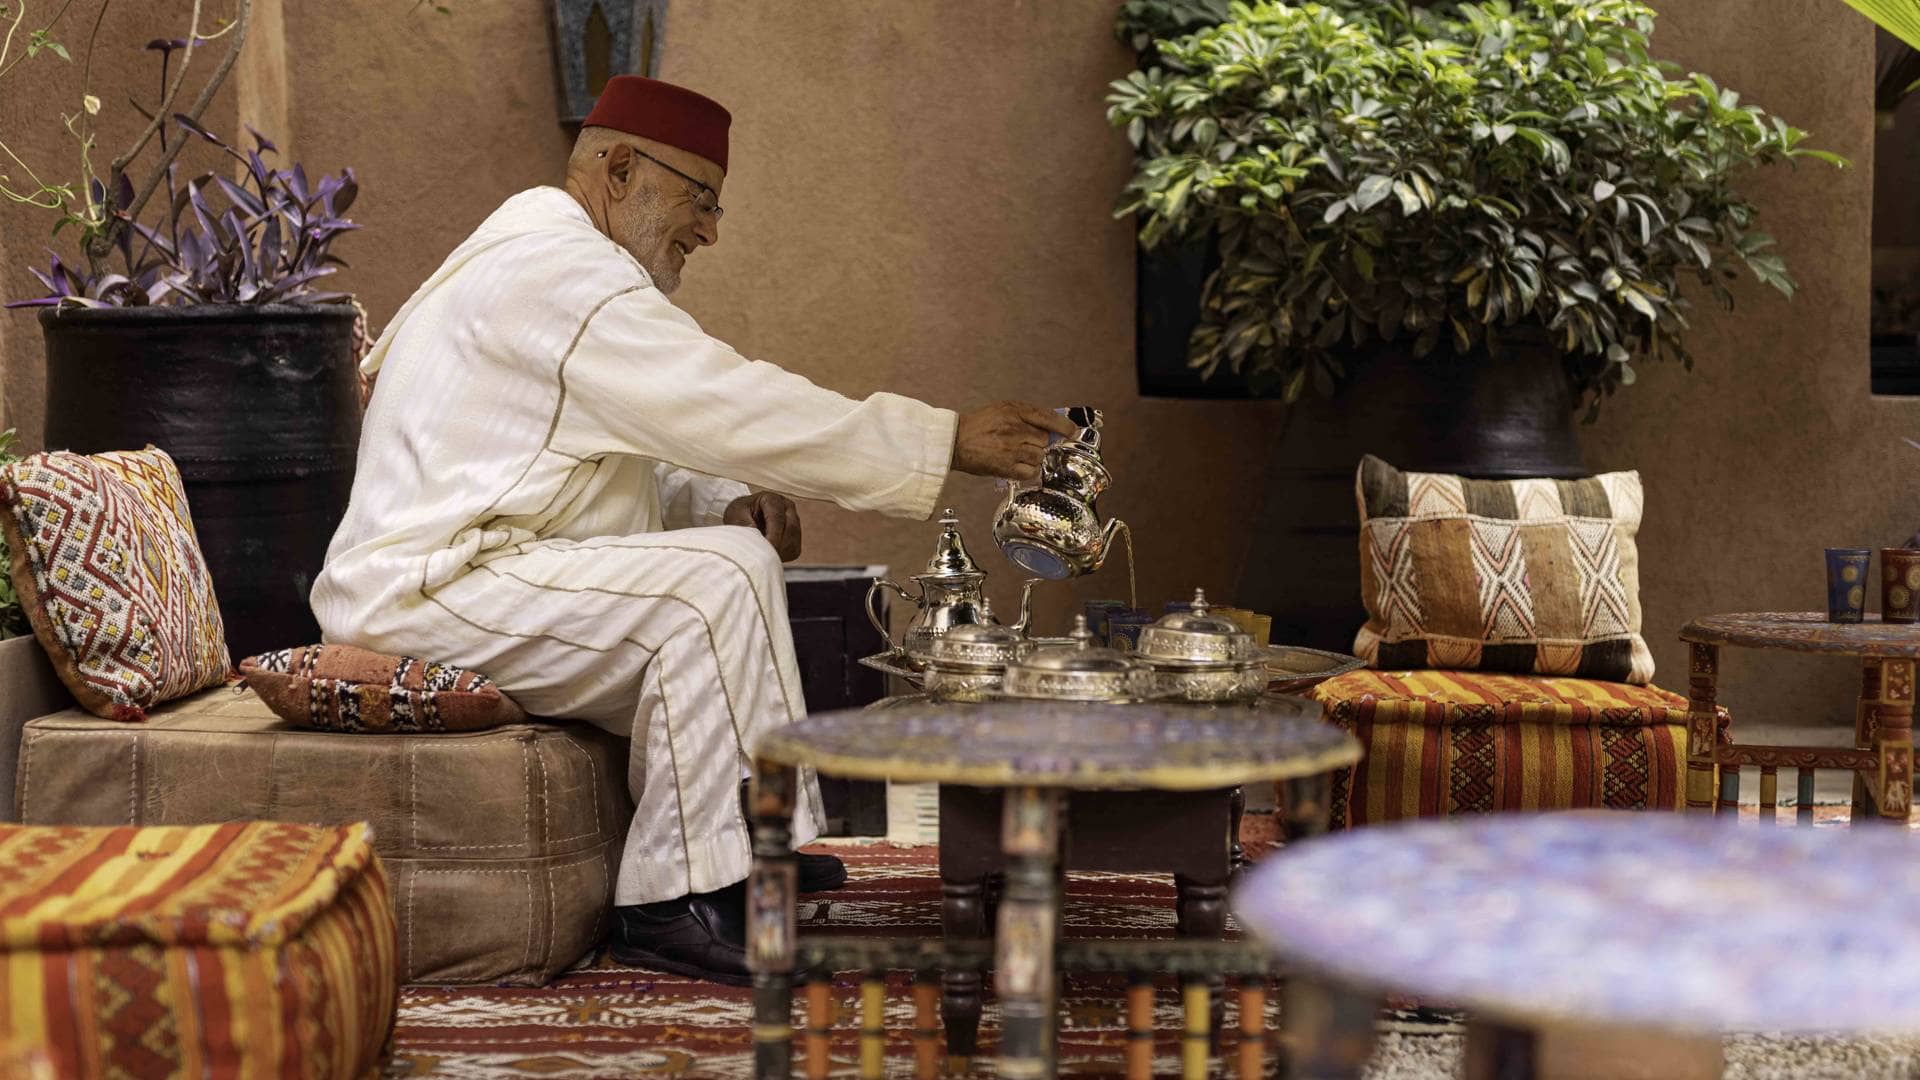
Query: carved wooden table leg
1328,1030
963,917
1238,853
1024,961
969,842
1201,907
1893,735
1863,736
772,893
1702,727
1305,806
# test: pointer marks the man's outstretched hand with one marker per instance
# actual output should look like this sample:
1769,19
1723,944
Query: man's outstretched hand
1006,439
773,515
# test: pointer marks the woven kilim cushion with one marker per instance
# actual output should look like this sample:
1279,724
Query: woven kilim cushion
246,949
345,688
1533,576
109,570
1452,742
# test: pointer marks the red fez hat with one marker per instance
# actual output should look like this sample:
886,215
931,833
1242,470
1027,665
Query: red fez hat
664,113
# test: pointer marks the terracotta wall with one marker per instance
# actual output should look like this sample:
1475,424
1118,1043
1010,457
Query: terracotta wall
1773,447
33,98
920,203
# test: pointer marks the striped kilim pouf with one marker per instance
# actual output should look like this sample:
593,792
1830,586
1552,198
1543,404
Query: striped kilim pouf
238,950
1460,742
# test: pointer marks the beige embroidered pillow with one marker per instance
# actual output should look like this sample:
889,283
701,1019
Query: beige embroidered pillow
1533,576
108,568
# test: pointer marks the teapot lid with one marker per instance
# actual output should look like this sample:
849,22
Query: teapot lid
1196,636
1088,420
950,558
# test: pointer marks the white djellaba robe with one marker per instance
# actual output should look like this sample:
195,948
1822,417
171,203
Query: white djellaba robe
540,483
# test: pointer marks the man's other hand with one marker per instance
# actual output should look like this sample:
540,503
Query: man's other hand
773,515
1006,439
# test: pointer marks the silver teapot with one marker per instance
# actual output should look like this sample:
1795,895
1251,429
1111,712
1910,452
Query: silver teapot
949,593
1053,530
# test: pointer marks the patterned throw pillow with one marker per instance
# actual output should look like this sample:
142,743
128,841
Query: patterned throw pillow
343,688
1533,576
109,570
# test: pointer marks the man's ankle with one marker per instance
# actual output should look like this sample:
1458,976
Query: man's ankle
662,909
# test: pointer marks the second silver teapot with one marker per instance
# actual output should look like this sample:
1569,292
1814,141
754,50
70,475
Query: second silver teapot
950,593
1053,530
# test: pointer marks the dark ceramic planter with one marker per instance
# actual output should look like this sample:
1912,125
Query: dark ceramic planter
259,407
1493,417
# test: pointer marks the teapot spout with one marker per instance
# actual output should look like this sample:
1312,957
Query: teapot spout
1026,606
1114,527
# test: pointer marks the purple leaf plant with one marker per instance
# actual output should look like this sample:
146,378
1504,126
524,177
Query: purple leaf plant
265,239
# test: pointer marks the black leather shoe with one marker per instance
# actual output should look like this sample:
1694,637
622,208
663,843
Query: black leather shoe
702,936
821,873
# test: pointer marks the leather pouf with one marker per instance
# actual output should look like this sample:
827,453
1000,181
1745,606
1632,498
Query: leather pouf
502,845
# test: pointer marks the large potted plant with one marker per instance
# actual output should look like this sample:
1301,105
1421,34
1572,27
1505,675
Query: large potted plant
206,332
1457,222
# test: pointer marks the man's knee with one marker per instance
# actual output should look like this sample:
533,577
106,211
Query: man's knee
761,564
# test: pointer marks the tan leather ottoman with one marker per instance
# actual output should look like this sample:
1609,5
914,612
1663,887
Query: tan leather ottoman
501,846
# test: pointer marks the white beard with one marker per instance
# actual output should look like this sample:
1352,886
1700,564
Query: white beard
649,231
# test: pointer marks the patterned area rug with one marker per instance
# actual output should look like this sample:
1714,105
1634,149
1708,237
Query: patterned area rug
606,1020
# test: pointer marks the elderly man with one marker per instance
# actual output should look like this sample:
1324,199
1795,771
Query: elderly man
553,488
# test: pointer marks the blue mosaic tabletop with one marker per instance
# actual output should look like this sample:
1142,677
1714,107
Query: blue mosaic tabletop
1638,919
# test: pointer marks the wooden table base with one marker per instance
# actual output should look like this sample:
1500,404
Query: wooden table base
1119,831
1881,760
1498,1052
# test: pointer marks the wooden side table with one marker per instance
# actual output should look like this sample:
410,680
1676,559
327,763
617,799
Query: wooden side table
1597,945
1038,756
1881,758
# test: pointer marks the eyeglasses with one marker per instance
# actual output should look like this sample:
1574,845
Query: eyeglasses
707,201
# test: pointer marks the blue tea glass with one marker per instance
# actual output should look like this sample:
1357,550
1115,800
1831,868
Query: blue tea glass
1847,584
1123,628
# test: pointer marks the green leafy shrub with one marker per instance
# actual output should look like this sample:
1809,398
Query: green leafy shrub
1444,176
13,618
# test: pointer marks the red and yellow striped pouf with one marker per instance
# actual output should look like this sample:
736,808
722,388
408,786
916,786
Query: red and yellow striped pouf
238,950
1455,742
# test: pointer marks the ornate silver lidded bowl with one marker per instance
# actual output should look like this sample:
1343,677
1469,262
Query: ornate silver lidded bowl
968,662
1081,671
1198,656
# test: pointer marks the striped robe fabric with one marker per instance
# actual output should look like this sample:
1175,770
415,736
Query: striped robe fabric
250,949
538,496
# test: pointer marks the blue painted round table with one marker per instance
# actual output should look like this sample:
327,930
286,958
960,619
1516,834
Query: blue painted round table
1595,920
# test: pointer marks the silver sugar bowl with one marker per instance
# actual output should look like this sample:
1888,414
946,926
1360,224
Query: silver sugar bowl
1080,671
968,662
1198,656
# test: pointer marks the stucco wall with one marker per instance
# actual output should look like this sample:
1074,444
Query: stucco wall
920,203
33,99
1773,448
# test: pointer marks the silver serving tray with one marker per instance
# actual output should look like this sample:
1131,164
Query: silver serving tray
1291,669
897,663
1294,668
